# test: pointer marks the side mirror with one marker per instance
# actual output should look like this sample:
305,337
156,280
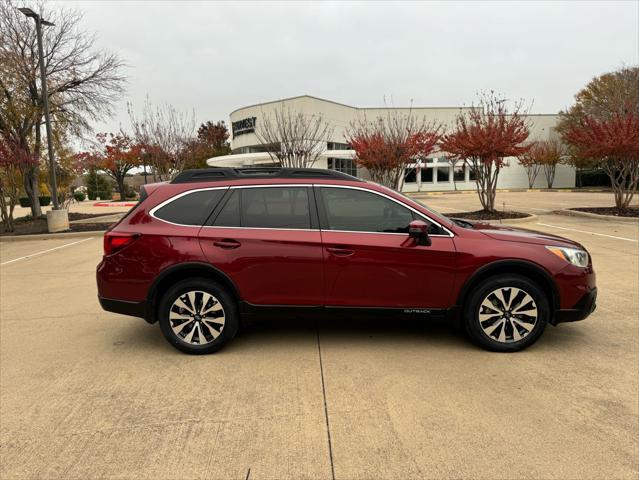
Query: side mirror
418,231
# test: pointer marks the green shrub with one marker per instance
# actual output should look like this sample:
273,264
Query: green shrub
24,201
79,196
98,186
44,200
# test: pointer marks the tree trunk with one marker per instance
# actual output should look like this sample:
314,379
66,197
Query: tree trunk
624,178
486,174
549,171
121,186
7,214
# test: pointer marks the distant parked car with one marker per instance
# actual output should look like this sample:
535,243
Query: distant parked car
215,245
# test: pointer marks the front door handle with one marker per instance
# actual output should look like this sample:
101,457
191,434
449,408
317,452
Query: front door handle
340,252
227,243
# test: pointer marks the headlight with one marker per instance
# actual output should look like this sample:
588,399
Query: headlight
575,256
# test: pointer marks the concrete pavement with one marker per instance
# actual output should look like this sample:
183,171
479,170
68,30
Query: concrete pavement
87,394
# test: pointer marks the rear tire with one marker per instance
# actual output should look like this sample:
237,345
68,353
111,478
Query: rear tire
506,313
198,316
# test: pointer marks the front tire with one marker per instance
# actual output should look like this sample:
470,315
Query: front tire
506,313
198,316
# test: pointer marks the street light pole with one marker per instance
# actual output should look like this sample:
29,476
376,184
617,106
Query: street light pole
45,100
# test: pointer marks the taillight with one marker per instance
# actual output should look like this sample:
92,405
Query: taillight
114,241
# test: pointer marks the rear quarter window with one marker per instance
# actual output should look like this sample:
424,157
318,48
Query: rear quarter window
190,209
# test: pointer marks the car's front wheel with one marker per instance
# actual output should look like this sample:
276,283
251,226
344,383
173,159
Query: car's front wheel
506,313
198,316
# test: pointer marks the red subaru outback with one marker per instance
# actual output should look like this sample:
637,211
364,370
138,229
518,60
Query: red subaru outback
216,245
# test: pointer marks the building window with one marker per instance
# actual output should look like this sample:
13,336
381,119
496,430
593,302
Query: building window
427,174
443,174
344,165
337,146
410,175
472,174
459,173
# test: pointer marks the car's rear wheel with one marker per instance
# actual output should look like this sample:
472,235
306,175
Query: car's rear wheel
506,313
198,316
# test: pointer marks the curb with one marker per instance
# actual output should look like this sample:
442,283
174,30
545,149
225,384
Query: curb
49,236
608,218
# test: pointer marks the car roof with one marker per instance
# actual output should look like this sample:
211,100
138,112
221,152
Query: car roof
262,173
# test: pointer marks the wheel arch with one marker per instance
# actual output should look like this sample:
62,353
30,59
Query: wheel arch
522,267
179,272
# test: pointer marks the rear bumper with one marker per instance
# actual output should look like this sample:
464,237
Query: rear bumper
584,307
123,307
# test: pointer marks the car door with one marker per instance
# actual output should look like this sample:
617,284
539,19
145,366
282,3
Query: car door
266,239
369,260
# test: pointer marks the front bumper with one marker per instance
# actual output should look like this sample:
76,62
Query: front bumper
584,307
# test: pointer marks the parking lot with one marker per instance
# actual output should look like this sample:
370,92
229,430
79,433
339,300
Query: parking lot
87,394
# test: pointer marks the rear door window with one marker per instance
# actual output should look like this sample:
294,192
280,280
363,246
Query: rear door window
276,207
266,207
190,209
229,216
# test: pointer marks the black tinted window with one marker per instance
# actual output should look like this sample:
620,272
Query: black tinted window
229,216
190,209
359,211
275,207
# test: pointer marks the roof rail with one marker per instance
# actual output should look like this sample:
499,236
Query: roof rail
221,174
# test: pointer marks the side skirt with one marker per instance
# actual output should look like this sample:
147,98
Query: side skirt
250,310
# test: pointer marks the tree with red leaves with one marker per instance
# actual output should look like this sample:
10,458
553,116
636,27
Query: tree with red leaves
114,154
211,141
614,141
388,145
12,160
603,126
484,137
530,161
546,154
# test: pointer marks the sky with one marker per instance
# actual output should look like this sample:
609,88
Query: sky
215,57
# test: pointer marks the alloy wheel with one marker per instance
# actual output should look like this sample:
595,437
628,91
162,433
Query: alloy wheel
508,314
197,317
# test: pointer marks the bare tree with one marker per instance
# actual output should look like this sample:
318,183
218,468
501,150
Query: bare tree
292,138
164,135
83,82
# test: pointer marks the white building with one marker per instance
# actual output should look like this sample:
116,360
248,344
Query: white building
436,175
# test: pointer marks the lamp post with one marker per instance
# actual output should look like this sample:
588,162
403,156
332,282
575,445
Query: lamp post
39,21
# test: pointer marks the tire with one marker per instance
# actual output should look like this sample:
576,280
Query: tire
498,321
210,315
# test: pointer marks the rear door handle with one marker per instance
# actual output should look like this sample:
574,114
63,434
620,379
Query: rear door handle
227,243
340,252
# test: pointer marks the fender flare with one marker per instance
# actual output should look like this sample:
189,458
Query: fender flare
518,266
174,269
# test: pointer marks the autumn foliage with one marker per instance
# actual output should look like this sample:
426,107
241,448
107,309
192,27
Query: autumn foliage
13,160
385,147
615,141
602,128
483,138
114,154
546,155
